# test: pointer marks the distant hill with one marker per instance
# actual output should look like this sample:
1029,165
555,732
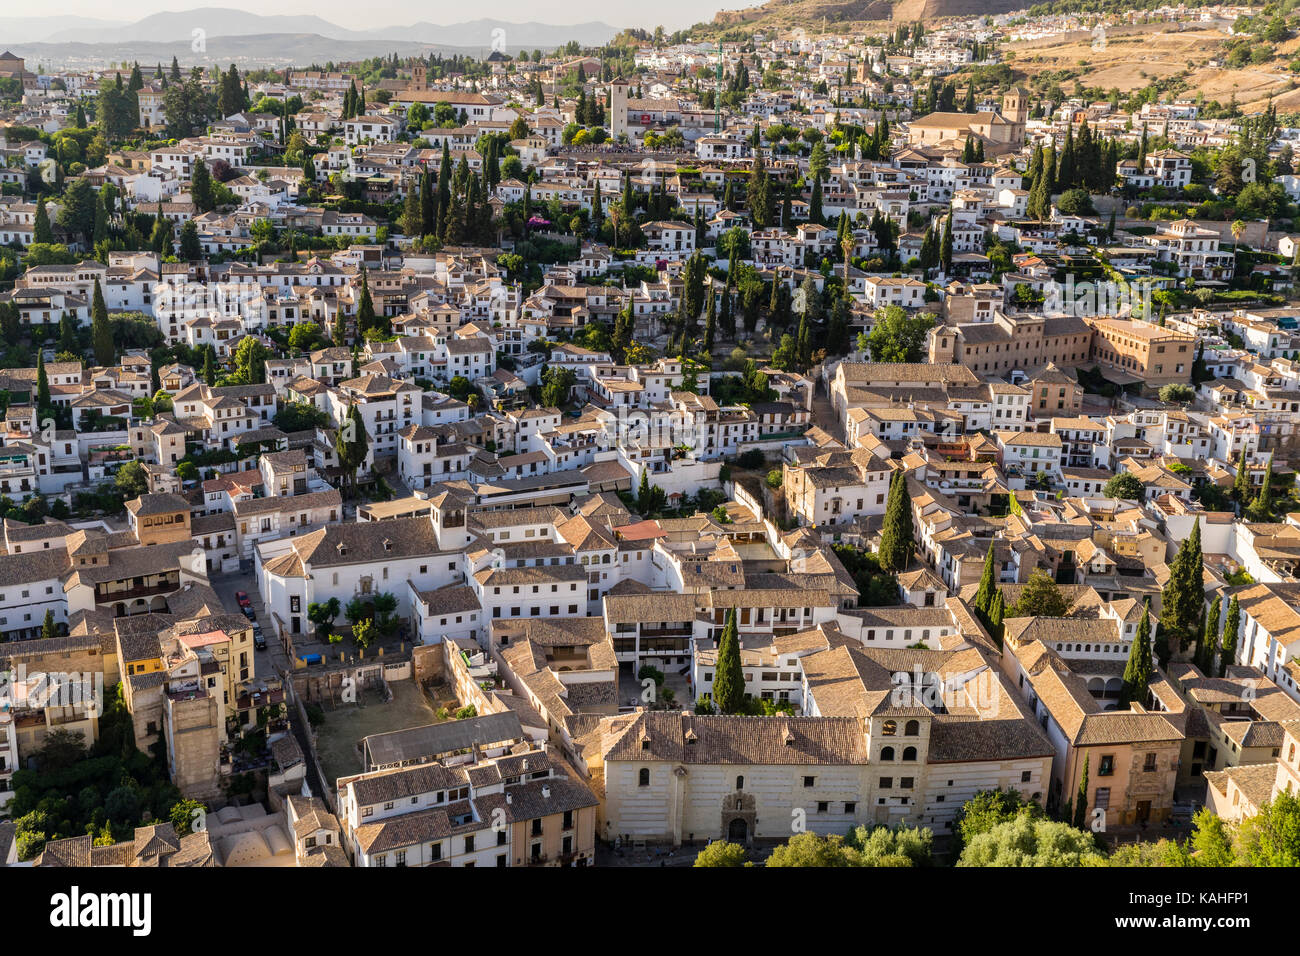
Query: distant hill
811,14
253,39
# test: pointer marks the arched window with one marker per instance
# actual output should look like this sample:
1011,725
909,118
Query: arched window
740,783
912,728
890,728
1290,753
644,777
909,753
887,753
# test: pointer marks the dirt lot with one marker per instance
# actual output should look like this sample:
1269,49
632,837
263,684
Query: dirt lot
348,724
1133,56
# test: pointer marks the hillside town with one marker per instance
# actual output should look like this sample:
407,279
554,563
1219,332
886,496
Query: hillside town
800,448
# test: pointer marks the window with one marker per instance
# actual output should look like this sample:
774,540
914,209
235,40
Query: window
1149,765
850,806
809,781
886,753
643,778
740,783
1101,798
909,753
913,727
890,728
469,844
1107,765
886,783
1024,776
435,851
906,782
823,806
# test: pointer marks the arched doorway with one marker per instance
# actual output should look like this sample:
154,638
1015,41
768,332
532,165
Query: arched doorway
737,831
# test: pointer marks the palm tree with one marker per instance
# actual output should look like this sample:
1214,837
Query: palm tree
1238,227
847,244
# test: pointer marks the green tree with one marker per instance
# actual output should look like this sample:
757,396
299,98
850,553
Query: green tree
49,628
131,480
997,613
1125,485
1272,836
42,231
1242,493
42,385
988,809
1183,598
101,332
988,584
1208,646
720,853
250,361
184,814
898,337
1231,625
1041,597
1212,840
364,633
897,536
190,248
1137,672
729,678
1261,509
352,445
323,614
1025,841
201,191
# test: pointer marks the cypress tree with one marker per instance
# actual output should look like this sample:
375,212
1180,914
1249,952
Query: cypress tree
896,541
984,596
209,366
1137,672
1209,644
42,231
1242,493
1068,171
945,251
728,676
42,384
1081,800
365,307
101,333
1231,624
996,615
100,233
49,628
710,321
340,326
643,492
1261,509
1183,596
428,212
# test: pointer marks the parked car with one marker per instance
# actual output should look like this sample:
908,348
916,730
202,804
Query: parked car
248,612
242,598
259,642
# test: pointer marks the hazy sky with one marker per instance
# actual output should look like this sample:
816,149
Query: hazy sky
672,14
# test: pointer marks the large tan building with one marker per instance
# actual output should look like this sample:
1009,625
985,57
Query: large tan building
1025,342
1149,353
1003,128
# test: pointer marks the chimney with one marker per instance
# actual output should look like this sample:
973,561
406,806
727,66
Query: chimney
546,792
509,797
